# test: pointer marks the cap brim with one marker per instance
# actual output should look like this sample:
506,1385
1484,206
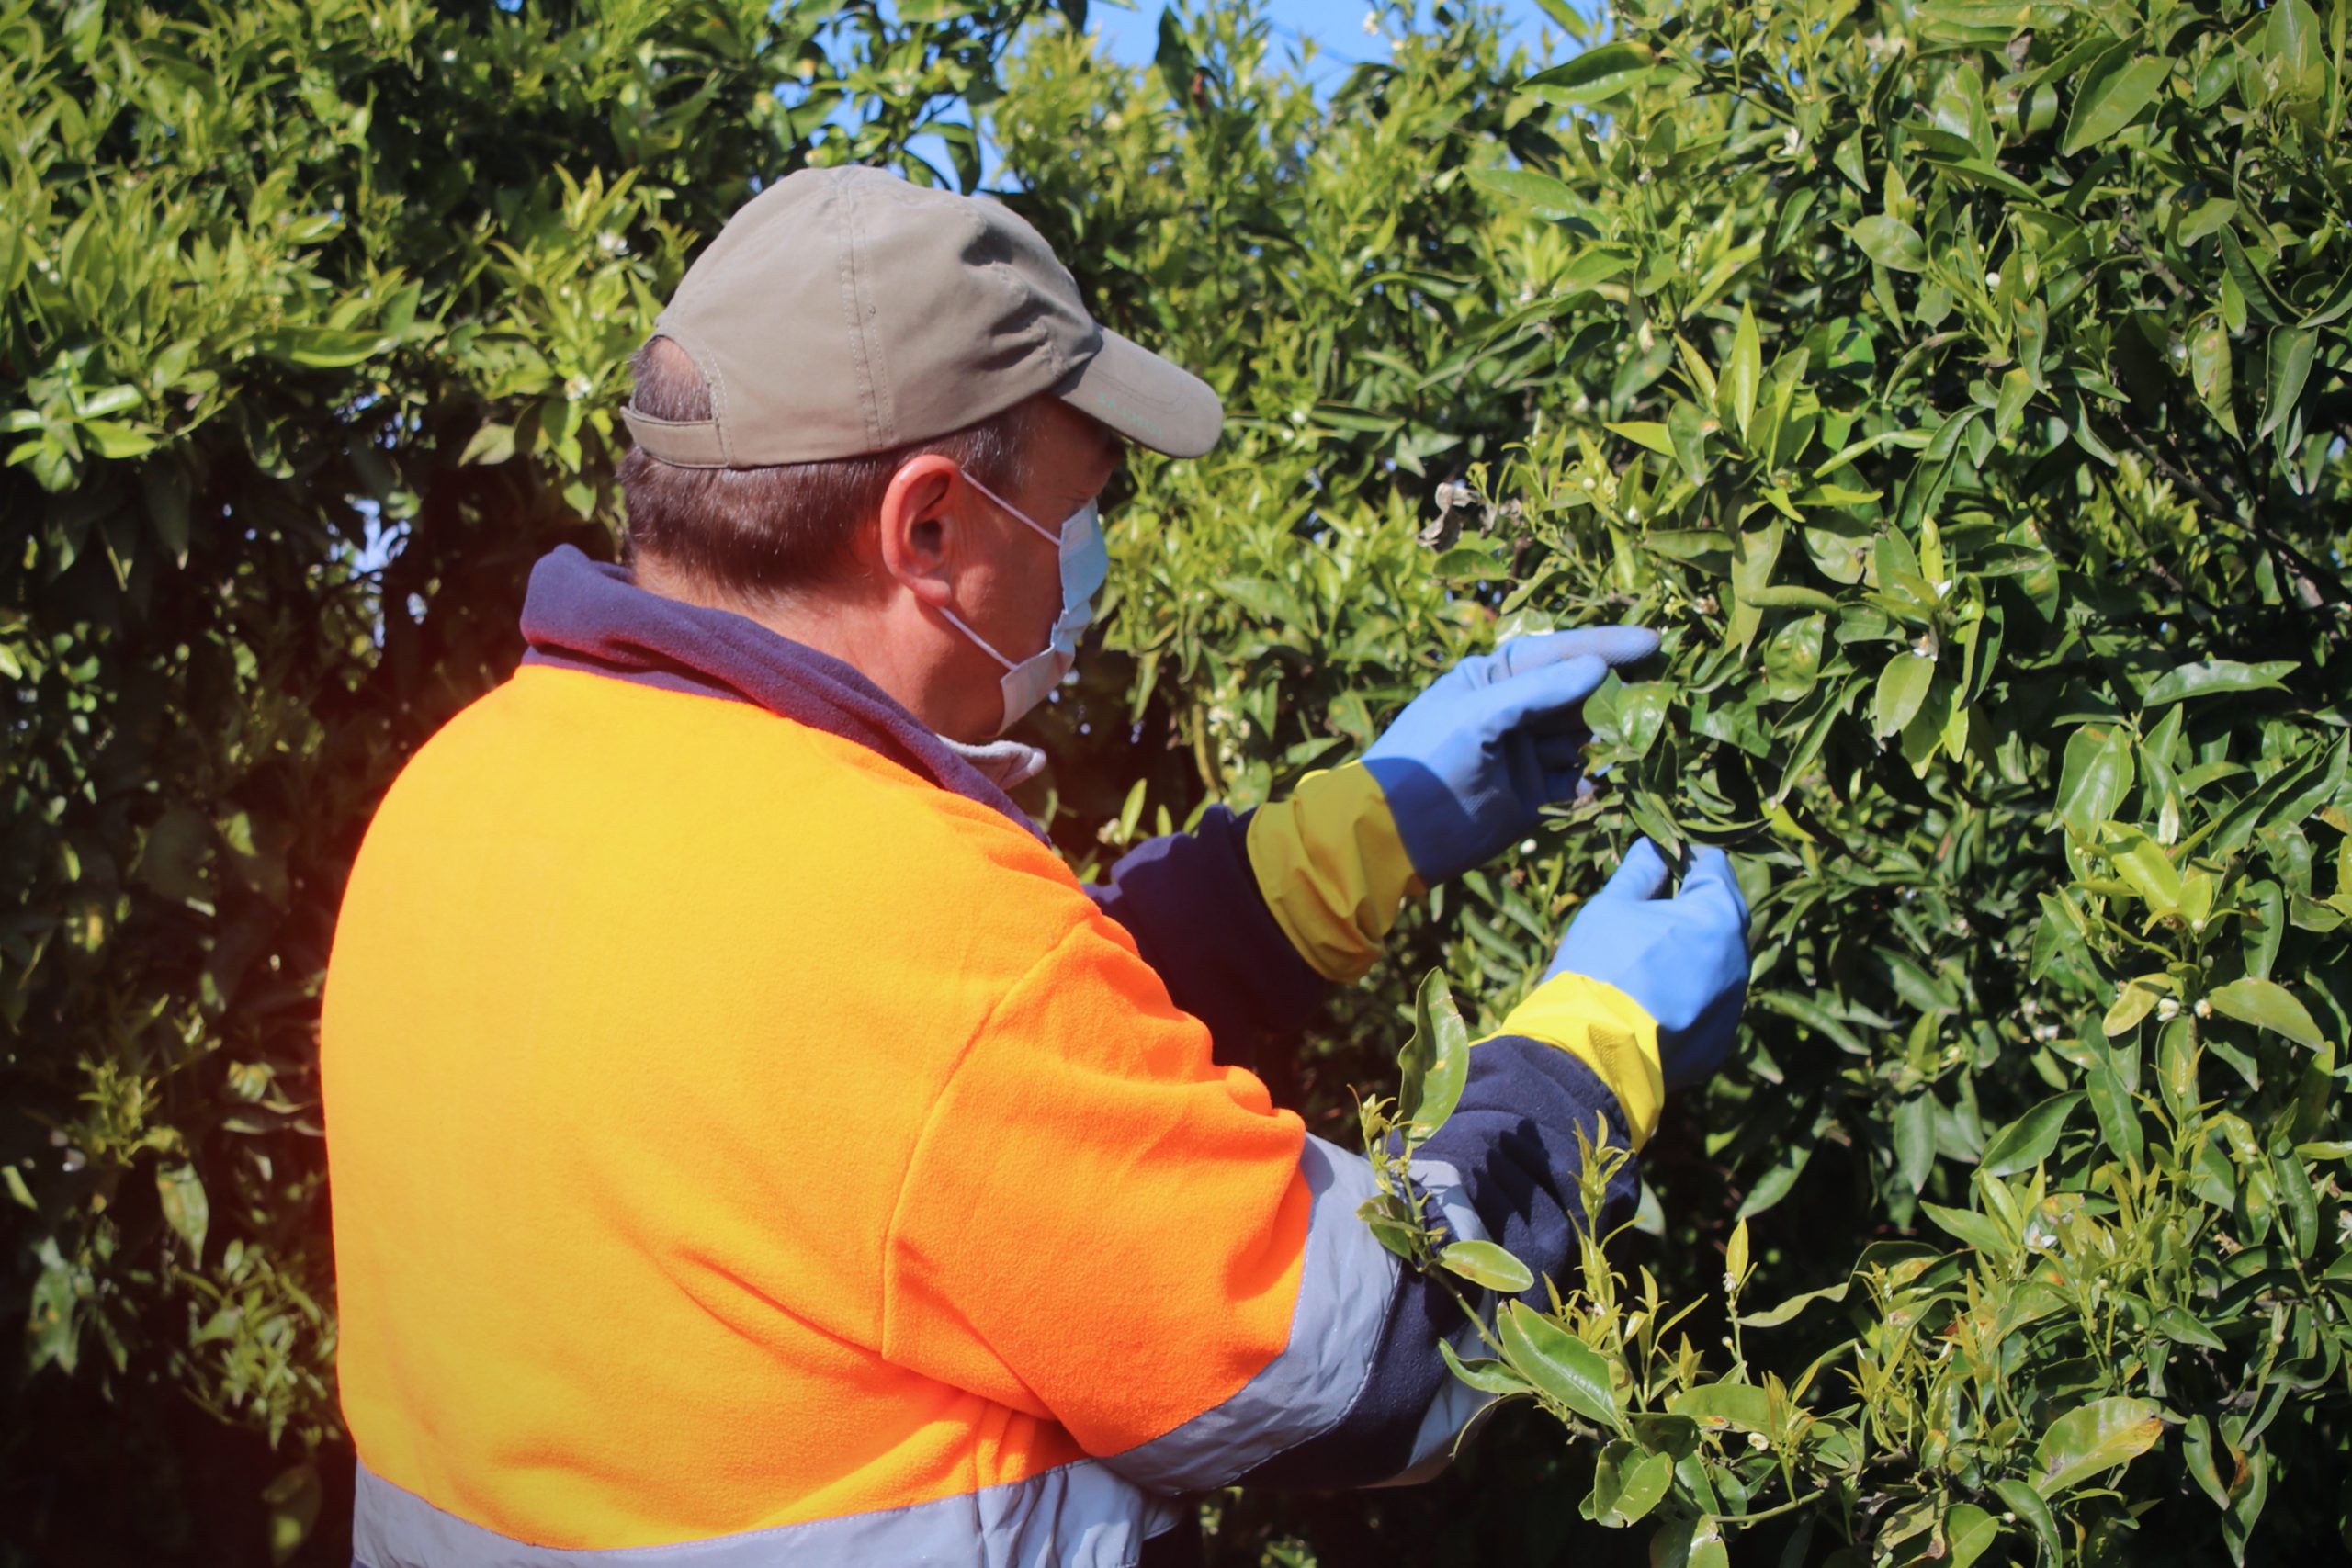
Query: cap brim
1145,399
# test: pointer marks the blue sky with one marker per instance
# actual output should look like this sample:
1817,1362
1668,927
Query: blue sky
1336,25
1337,28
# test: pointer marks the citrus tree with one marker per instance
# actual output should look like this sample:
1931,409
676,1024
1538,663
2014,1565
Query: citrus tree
1963,391
312,319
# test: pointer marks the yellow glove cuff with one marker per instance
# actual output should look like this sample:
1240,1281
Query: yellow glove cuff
1607,1032
1332,869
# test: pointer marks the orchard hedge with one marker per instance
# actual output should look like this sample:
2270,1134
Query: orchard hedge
1962,388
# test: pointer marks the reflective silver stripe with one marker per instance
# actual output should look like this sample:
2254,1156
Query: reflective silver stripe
1457,1403
1347,1286
1081,1515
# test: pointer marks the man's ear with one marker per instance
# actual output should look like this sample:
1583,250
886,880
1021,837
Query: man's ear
922,540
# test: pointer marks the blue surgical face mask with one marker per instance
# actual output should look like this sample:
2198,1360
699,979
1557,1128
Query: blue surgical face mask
1085,564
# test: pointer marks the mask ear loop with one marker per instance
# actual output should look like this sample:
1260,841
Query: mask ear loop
978,640
958,621
1020,677
1031,523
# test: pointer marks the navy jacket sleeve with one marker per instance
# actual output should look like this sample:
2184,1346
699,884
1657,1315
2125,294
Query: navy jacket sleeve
1192,903
1512,1143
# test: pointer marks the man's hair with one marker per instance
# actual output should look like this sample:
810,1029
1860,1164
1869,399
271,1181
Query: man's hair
757,532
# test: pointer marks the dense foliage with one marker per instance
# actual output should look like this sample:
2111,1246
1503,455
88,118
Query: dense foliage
1962,388
312,319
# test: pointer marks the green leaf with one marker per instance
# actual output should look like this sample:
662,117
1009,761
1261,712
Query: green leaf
1677,1437
2182,1330
1891,243
1753,556
2211,371
2335,304
1647,432
186,1208
1774,1316
1787,596
2026,1504
110,400
53,1319
1541,192
1686,430
1719,1404
1903,685
2197,1454
2112,94
491,444
1390,1232
1468,563
2094,1439
1595,76
2266,1004
1485,1376
2291,351
1743,373
2293,41
2260,298
2098,775
2117,1114
1914,1139
1484,1263
2298,1202
1969,1533
116,439
2133,1002
293,1499
2144,866
323,348
2213,677
1670,1546
1777,1182
1640,1486
1558,1363
1435,1062
1979,1231
2027,1142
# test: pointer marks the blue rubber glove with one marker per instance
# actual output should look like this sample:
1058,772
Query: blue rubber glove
1683,958
1470,761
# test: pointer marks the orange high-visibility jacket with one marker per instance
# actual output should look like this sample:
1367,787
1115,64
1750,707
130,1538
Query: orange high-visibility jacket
752,1146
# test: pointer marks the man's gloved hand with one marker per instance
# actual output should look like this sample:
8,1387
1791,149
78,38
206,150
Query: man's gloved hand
1683,959
1457,779
1468,763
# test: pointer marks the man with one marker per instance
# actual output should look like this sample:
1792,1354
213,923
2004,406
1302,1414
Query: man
751,1146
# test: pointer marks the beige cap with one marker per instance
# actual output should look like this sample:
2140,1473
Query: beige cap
844,311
